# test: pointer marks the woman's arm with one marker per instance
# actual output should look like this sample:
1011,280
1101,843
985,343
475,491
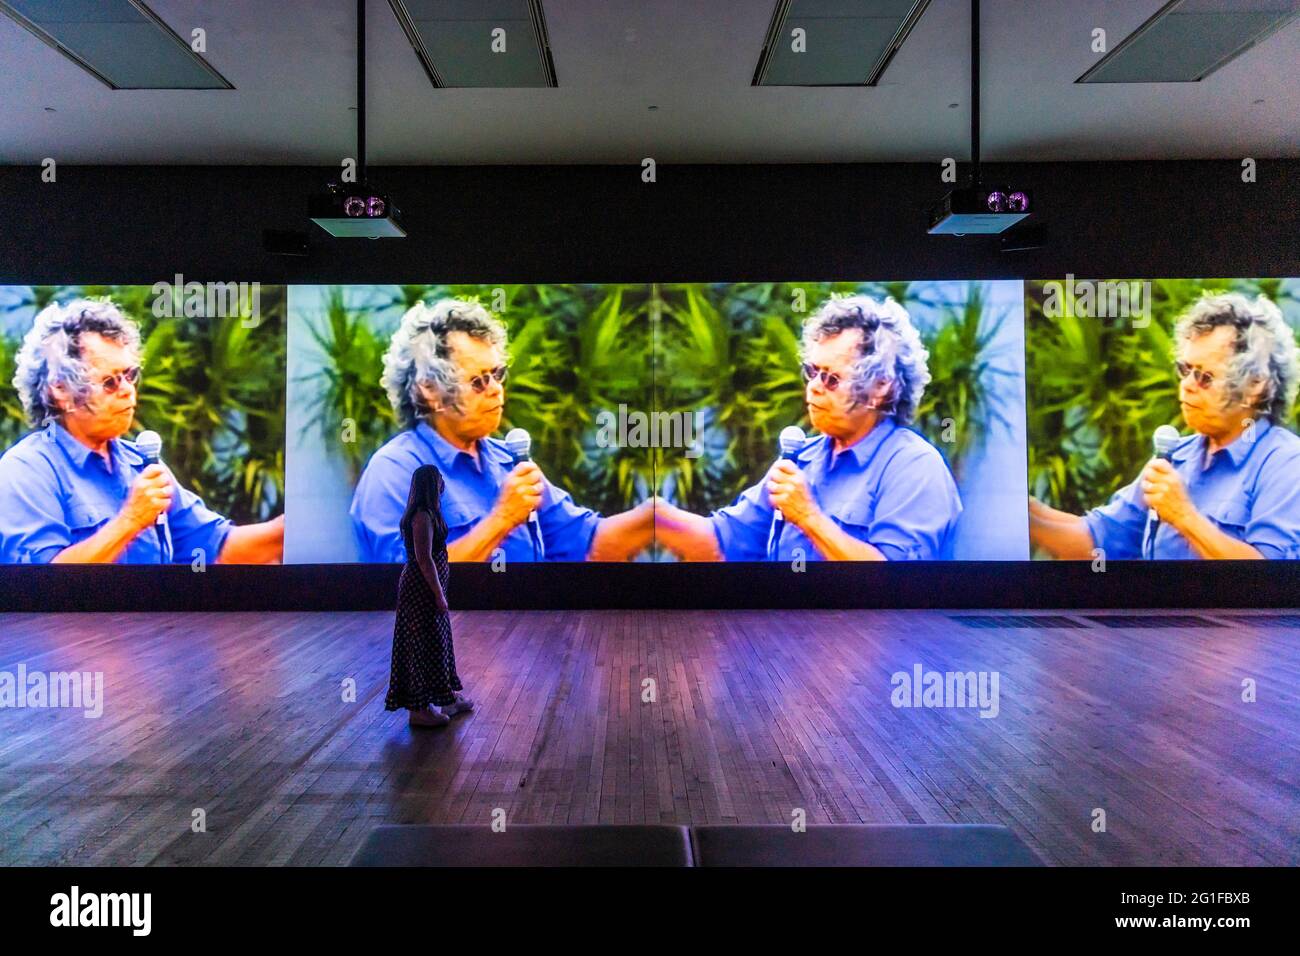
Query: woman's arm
261,543
422,530
103,547
836,544
1208,541
622,536
479,543
1059,533
689,536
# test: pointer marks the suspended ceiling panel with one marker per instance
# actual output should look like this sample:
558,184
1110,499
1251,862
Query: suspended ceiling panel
292,66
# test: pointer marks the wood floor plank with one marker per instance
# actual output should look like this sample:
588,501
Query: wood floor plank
756,715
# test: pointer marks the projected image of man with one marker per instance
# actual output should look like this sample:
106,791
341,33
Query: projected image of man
74,490
1230,489
868,487
445,373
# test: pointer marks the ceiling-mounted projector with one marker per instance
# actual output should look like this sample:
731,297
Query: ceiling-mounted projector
355,210
977,210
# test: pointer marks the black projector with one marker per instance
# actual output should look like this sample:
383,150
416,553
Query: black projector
978,211
353,211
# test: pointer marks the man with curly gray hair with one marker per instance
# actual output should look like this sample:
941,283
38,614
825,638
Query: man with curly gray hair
445,373
75,490
868,488
1230,489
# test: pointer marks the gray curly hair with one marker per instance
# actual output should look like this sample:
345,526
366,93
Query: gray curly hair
892,351
419,355
1265,350
51,353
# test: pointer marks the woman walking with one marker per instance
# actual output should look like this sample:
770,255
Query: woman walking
424,661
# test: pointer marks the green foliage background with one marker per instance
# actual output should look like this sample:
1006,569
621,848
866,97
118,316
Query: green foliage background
213,389
1097,388
729,350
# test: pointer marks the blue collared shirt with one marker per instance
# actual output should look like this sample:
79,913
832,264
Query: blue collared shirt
470,490
892,489
56,492
1250,490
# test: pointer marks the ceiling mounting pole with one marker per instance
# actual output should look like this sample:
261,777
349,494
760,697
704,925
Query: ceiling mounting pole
361,91
975,92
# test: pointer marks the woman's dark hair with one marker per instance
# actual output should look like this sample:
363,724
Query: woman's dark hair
426,496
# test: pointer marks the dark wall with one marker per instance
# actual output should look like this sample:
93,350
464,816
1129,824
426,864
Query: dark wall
956,584
603,224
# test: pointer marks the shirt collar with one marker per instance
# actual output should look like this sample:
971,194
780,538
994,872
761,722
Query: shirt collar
79,454
862,450
1194,445
447,454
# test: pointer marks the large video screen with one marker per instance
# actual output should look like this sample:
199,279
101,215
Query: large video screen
194,423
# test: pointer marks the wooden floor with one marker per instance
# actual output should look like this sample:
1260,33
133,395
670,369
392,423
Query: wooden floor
757,713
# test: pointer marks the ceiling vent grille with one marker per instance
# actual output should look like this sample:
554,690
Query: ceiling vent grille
1187,40
834,42
479,43
121,43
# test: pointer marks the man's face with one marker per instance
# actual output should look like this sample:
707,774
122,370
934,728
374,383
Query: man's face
832,411
479,413
1209,409
109,408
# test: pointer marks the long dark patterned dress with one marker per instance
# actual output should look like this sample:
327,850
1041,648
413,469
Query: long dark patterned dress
424,661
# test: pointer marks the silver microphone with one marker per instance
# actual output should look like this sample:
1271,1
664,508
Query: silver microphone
520,444
149,445
792,439
1164,440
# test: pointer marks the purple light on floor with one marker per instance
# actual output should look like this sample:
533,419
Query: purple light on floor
375,207
354,206
1018,202
995,201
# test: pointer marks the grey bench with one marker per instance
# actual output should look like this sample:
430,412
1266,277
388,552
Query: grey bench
953,844
525,845
956,844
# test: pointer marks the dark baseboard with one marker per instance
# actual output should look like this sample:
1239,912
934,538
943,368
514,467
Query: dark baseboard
954,584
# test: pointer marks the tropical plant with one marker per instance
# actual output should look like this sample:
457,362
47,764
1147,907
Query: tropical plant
20,305
965,396
12,420
348,407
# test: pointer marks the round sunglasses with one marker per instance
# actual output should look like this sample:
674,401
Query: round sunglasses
112,383
1202,378
829,379
480,382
